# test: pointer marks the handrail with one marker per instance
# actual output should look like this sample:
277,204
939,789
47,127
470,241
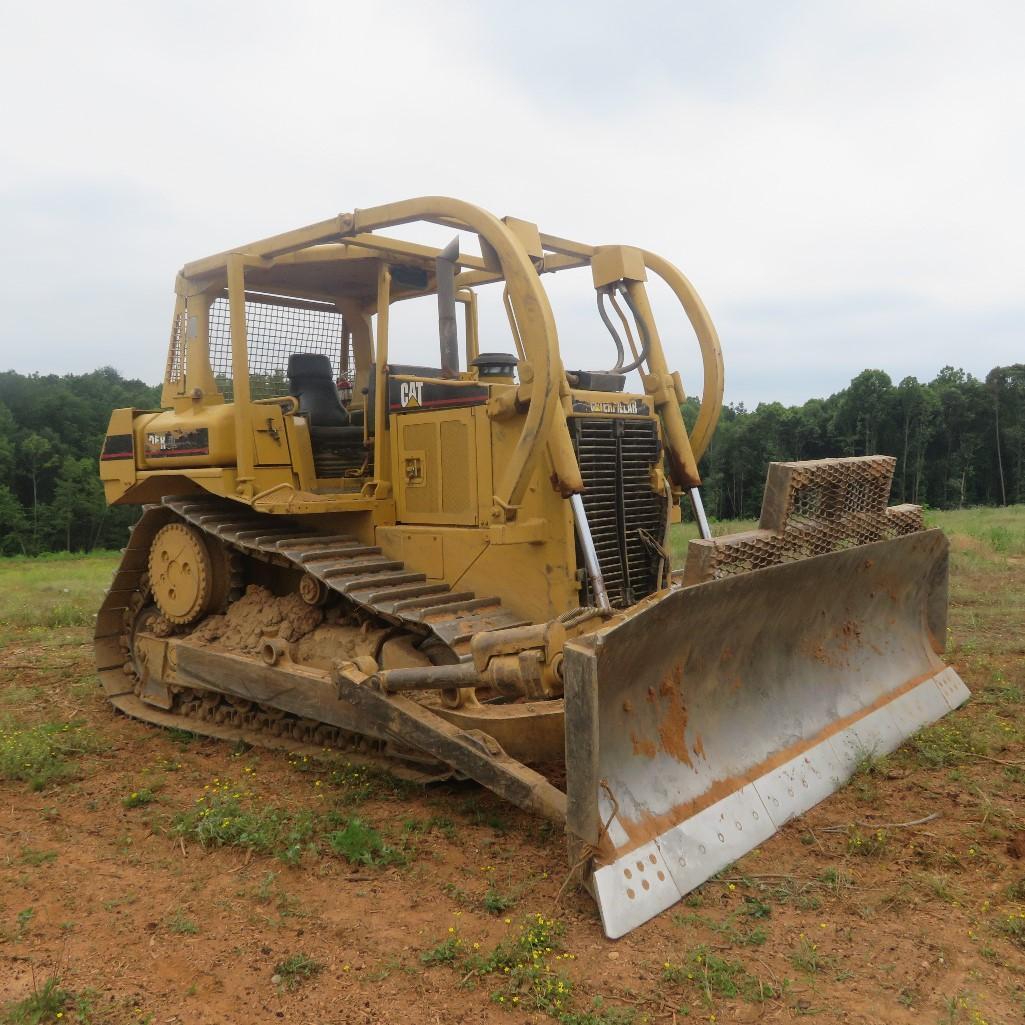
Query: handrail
708,342
543,385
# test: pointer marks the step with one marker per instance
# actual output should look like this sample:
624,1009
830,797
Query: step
361,583
313,539
414,605
458,631
386,600
356,569
457,608
336,551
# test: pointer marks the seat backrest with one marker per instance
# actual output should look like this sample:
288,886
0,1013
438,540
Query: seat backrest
311,381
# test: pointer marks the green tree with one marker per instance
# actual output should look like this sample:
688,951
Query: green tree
37,457
14,526
78,504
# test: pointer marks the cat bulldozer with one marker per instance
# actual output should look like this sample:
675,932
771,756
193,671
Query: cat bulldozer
464,567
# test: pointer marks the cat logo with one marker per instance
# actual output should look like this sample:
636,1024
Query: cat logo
411,394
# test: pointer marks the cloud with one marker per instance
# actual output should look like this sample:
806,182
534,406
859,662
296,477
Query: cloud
841,183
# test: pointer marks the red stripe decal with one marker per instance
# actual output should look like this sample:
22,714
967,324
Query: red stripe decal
437,402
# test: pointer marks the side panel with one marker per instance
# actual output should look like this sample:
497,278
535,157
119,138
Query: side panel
270,440
435,469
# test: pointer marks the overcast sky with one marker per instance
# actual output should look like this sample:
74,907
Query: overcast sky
842,182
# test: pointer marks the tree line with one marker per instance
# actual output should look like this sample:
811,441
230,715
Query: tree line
51,431
958,441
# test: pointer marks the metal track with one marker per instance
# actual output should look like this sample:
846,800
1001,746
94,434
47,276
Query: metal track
361,574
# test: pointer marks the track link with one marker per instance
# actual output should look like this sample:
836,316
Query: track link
359,573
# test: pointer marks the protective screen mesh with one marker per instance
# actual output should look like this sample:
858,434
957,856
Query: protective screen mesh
813,507
274,332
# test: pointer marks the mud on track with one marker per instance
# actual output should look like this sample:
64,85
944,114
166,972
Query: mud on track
842,915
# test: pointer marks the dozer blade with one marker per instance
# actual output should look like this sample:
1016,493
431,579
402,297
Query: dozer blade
703,719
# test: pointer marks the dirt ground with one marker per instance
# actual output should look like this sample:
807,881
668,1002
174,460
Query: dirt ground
442,904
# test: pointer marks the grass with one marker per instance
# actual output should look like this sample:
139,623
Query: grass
526,972
943,770
960,740
181,924
295,970
353,783
807,957
751,936
872,843
53,591
361,844
36,858
1013,927
681,533
525,968
226,816
496,903
446,951
717,977
435,824
137,798
39,755
1001,531
43,1004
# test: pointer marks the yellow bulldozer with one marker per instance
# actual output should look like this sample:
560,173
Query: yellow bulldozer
463,567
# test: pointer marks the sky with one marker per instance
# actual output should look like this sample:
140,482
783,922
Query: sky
842,183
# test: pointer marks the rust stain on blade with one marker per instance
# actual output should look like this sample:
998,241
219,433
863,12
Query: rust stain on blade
645,828
672,729
642,747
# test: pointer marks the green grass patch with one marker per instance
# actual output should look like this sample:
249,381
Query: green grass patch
807,957
227,816
39,755
20,695
998,531
41,1005
296,969
54,591
749,936
181,924
361,844
354,783
525,969
435,824
958,740
36,858
867,845
137,798
717,977
446,951
1013,927
680,534
496,903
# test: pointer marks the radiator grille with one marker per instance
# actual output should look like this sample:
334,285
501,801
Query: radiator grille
616,457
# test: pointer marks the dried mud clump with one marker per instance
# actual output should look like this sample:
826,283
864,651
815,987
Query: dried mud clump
257,615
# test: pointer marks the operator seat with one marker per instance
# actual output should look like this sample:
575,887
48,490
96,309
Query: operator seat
337,443
312,382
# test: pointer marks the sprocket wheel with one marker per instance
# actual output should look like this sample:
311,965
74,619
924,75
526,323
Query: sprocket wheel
180,573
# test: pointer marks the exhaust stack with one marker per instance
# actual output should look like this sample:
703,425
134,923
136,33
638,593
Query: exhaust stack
445,272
